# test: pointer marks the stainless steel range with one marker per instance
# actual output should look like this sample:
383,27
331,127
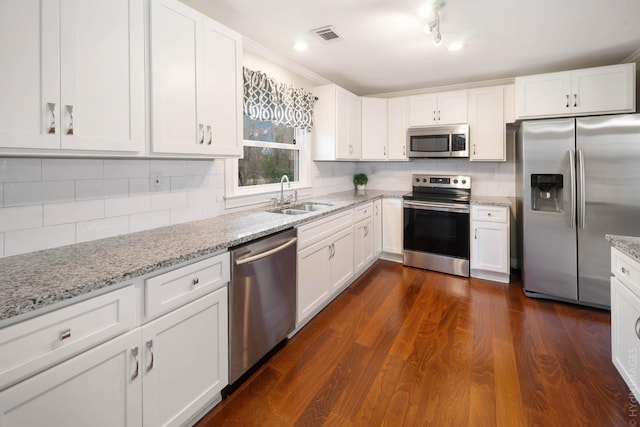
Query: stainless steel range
436,223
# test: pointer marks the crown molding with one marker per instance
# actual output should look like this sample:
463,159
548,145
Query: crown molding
634,57
435,89
278,59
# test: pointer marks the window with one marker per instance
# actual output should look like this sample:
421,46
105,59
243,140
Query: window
270,151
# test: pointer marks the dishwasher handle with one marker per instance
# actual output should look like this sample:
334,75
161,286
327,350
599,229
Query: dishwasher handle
247,259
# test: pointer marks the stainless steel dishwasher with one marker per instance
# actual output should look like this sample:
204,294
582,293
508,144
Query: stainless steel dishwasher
262,299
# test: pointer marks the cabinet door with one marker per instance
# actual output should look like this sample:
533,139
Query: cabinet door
220,92
489,246
341,263
397,127
30,74
486,124
603,89
625,336
374,129
96,388
102,75
363,237
392,226
313,278
452,107
176,45
543,95
354,118
423,110
344,148
185,360
377,227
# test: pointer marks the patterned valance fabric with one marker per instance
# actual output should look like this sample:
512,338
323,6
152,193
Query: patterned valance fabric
267,99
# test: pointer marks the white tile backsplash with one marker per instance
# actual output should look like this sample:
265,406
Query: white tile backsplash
99,188
31,193
68,169
65,213
99,229
35,239
20,217
126,169
46,203
127,206
147,221
20,170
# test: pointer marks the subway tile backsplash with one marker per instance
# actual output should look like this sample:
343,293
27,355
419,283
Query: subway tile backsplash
45,203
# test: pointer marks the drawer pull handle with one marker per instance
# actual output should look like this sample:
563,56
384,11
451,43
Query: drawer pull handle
624,270
150,347
71,120
638,327
52,109
134,353
65,334
195,281
475,234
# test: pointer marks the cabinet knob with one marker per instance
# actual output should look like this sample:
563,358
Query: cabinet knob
624,270
195,281
489,214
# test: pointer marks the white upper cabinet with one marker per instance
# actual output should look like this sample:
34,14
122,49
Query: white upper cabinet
196,83
438,109
73,78
580,92
337,132
397,123
487,124
374,129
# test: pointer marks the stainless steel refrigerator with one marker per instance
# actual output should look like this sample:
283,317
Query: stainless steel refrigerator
577,180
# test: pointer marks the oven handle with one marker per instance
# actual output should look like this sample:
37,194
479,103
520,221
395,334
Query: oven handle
441,207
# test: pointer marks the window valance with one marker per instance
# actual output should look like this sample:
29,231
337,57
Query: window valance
267,99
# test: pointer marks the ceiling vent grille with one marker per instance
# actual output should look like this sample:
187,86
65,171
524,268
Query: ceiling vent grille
327,34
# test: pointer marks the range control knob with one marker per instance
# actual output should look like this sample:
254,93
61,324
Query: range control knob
424,179
455,181
464,181
417,179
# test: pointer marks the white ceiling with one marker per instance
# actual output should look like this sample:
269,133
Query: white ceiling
385,49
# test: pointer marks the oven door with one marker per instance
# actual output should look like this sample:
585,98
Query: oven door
436,236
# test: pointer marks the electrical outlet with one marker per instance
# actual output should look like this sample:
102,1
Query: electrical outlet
156,181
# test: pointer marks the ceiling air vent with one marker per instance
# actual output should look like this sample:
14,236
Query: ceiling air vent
327,34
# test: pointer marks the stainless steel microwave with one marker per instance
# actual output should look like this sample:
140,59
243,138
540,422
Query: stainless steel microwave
438,141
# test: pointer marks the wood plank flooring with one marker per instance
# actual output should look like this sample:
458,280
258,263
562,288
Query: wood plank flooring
408,347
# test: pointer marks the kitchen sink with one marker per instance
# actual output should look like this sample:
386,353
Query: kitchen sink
301,208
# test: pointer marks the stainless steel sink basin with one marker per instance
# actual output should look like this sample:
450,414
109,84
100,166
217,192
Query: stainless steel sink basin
301,208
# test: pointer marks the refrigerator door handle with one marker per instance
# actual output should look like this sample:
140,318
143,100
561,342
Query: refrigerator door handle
572,175
581,212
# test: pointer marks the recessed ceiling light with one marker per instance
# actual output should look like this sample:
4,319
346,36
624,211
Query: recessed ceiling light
300,46
455,46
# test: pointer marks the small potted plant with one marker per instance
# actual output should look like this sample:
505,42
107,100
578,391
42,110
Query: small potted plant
360,180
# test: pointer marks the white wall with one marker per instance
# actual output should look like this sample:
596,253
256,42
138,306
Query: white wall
46,203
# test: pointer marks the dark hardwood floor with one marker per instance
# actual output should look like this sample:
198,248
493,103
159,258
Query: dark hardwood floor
405,347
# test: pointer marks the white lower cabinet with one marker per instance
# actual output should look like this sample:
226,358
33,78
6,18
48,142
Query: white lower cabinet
625,318
363,239
184,360
101,387
392,226
377,227
326,265
490,242
163,373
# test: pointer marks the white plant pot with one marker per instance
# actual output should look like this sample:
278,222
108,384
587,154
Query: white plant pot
360,187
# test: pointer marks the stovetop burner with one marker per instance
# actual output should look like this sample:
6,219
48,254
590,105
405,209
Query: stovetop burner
441,188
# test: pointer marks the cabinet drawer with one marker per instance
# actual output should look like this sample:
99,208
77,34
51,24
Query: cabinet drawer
362,211
626,270
38,343
177,287
489,213
316,231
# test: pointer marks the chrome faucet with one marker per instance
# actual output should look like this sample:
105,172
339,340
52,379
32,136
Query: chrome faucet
282,180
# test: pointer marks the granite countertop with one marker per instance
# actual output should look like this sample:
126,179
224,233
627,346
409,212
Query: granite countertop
44,279
491,201
627,244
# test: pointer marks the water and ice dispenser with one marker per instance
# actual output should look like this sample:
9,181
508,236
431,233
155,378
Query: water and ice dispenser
546,192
